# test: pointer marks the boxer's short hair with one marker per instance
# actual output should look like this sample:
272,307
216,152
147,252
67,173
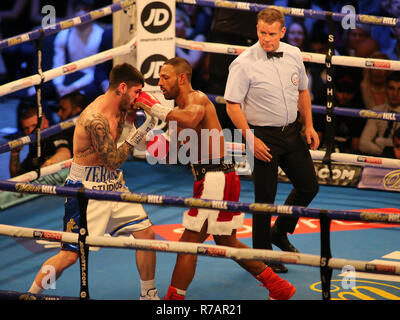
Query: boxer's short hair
127,73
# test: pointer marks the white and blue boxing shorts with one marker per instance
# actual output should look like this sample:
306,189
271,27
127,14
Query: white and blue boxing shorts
103,217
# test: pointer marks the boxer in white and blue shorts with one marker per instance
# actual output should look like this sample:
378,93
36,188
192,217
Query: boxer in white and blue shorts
103,217
98,155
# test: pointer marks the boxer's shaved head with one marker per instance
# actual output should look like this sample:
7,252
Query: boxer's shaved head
181,66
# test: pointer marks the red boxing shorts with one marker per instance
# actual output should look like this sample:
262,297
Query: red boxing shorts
214,182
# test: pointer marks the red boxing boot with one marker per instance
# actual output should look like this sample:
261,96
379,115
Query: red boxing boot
279,289
173,294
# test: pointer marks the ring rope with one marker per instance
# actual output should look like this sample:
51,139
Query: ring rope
45,171
66,24
361,160
22,141
255,208
350,112
68,68
368,63
362,113
198,249
15,295
105,11
348,158
217,99
186,44
296,12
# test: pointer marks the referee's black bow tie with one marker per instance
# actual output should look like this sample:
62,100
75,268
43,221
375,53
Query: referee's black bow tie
274,54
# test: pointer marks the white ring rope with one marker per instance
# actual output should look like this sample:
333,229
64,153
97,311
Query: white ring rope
198,249
87,17
348,61
45,171
361,160
186,44
68,68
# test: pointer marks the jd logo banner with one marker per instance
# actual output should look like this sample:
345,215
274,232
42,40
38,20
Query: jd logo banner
151,68
156,17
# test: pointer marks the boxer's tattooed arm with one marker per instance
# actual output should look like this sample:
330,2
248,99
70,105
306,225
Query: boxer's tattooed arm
103,143
121,123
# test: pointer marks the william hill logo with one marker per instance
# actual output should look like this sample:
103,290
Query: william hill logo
391,181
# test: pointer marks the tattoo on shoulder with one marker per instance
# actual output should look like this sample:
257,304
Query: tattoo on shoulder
98,129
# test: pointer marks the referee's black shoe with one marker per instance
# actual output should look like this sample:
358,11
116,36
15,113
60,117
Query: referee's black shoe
278,267
280,239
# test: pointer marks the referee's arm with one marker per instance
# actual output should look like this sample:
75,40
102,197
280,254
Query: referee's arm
304,106
258,147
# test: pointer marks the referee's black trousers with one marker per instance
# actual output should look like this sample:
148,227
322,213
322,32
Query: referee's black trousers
291,153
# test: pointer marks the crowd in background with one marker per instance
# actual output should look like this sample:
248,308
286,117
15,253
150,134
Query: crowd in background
358,88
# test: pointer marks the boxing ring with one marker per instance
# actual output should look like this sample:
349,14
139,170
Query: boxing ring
376,216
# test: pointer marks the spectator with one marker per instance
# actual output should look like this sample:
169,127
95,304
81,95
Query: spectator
357,42
355,39
393,50
347,129
385,8
297,35
75,44
373,85
383,34
367,47
71,105
394,151
183,29
3,69
54,149
378,134
11,13
102,70
200,17
302,4
63,10
14,20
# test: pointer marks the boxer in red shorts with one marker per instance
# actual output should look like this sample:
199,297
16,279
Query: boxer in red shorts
214,179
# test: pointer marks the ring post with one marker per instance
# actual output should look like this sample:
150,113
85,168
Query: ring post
325,270
83,248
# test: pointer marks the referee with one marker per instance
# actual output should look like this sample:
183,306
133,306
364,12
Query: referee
267,91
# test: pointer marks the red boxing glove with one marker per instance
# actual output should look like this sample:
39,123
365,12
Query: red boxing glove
147,98
158,147
151,105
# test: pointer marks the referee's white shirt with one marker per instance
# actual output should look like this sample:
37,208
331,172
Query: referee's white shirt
267,89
